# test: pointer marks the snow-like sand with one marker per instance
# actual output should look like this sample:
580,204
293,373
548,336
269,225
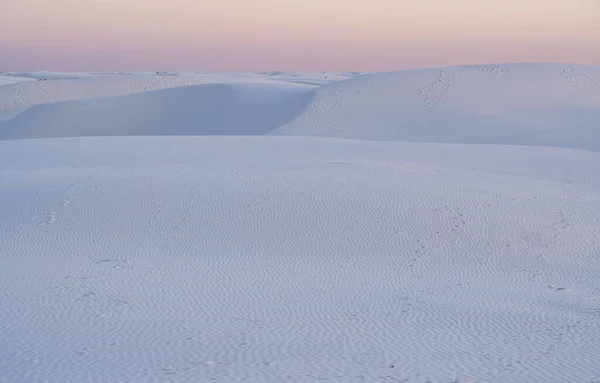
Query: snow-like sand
208,109
519,104
54,87
524,104
7,80
473,257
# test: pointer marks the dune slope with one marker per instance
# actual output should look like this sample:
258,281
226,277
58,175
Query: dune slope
519,104
15,98
524,104
272,259
55,87
208,109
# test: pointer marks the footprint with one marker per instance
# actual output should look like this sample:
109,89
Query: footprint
556,288
50,220
83,351
85,295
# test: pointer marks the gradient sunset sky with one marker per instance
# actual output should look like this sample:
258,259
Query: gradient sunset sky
310,35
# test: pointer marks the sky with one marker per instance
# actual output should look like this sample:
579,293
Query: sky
294,35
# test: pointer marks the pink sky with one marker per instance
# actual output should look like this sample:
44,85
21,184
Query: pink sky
253,35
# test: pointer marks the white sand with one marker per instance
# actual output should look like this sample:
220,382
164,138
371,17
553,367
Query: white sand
302,259
519,104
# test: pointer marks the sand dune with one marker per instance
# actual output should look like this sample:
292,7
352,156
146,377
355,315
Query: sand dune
525,104
285,258
18,97
522,104
272,259
56,87
7,80
209,109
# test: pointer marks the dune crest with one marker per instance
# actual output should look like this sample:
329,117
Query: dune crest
20,93
521,104
515,104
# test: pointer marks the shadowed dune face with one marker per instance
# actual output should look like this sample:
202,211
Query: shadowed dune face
209,109
17,97
19,91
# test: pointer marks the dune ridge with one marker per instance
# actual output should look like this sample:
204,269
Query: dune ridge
520,104
517,104
16,96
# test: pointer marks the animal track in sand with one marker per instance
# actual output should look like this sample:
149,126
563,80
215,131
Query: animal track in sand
50,220
442,86
67,192
580,81
83,352
84,290
458,221
492,69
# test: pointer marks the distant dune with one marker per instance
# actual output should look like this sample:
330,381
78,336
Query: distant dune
7,80
209,109
521,104
524,104
47,87
17,97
